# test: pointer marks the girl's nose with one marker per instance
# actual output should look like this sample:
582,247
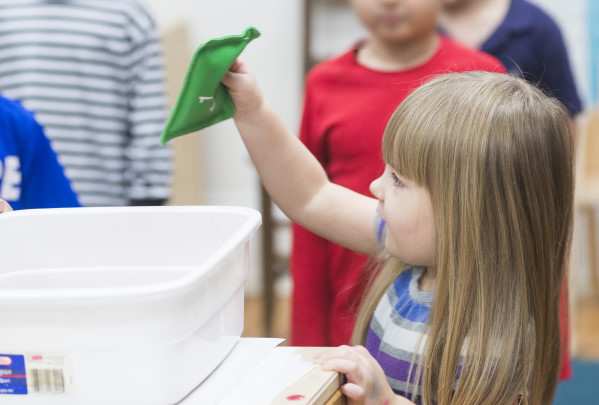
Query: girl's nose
376,188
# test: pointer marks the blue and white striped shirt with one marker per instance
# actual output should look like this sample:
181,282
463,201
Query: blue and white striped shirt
396,328
91,70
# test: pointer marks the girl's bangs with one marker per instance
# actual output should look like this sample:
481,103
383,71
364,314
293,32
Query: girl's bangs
409,137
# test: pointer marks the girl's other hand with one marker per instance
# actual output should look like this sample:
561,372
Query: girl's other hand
4,207
366,381
243,89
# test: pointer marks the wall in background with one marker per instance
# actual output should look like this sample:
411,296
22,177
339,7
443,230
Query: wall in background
228,176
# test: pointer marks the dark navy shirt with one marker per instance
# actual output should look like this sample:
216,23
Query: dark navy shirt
30,175
530,45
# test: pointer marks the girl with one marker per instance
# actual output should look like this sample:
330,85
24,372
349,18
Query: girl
477,200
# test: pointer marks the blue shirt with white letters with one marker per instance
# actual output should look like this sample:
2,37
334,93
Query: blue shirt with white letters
30,175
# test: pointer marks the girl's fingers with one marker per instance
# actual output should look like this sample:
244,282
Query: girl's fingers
227,79
335,352
347,352
362,350
350,368
239,66
366,382
237,63
353,392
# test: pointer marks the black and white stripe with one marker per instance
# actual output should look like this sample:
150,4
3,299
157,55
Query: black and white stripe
91,70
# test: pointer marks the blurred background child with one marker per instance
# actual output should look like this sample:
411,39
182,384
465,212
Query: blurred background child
522,36
92,73
30,175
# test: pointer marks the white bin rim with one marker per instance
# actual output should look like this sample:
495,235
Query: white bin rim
119,294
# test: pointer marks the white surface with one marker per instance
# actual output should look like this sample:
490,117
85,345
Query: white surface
235,367
277,371
131,298
253,374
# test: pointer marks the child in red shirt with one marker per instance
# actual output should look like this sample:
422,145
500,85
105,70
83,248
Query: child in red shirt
402,51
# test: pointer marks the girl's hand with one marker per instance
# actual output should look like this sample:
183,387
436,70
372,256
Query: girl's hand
243,89
4,206
366,381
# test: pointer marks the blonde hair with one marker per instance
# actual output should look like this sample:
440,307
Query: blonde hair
496,156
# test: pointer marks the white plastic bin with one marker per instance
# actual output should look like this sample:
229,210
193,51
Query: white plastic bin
128,306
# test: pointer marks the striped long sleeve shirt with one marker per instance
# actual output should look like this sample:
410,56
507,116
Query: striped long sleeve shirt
91,70
396,329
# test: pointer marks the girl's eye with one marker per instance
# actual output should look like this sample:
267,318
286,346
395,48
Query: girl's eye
396,181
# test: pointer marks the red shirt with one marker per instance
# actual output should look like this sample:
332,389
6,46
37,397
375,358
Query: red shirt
346,109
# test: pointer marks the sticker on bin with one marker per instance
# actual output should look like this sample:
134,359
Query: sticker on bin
35,375
13,379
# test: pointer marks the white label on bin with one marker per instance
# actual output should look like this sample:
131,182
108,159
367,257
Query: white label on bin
35,374
48,374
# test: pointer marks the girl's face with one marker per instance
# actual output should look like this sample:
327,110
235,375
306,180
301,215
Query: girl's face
408,212
396,21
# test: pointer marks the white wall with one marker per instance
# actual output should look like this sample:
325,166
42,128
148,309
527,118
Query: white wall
229,177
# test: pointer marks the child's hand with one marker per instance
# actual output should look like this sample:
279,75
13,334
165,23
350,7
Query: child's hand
4,206
366,381
243,89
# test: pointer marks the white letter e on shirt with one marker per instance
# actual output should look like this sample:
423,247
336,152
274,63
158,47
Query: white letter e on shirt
11,178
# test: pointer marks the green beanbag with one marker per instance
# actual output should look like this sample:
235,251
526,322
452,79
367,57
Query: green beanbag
204,100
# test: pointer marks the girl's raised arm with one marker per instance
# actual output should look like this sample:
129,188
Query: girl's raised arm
292,176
